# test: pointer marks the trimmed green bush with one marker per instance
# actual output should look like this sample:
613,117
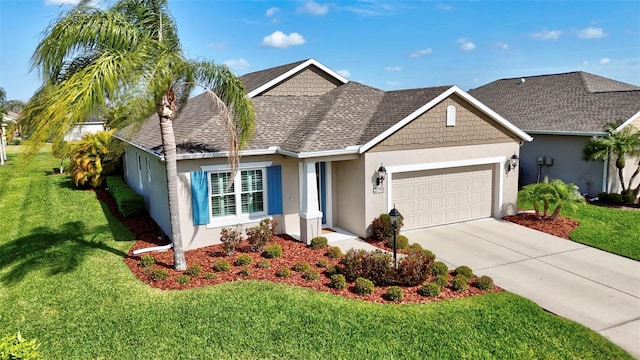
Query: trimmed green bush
193,270
614,199
483,283
182,279
301,266
311,275
375,265
209,275
221,265
322,263
129,203
463,270
244,271
382,228
332,270
629,198
460,283
429,290
402,242
318,242
338,282
272,251
147,261
394,293
14,347
263,264
334,252
415,247
414,268
439,268
283,273
441,280
363,286
156,274
244,259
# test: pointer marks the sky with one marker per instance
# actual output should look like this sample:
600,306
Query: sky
385,44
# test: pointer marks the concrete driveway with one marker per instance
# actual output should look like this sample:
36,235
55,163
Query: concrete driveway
594,288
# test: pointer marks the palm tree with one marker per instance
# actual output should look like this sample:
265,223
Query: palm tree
538,193
618,144
565,195
129,54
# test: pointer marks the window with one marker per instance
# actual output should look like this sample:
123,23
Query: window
148,170
451,115
243,195
139,171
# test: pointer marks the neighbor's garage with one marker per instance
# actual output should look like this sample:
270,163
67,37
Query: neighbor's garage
442,196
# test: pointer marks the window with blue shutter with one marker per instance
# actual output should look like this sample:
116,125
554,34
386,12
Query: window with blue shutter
274,189
200,197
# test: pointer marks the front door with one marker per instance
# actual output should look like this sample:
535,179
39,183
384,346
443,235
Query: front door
321,181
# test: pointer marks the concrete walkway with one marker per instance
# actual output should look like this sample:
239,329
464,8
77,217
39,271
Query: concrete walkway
594,288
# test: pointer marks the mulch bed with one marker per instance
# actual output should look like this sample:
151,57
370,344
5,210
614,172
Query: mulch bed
149,234
560,226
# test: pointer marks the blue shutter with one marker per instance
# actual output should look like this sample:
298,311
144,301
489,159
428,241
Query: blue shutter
200,197
274,189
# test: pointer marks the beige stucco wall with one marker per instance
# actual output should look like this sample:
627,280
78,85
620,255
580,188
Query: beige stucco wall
309,82
349,195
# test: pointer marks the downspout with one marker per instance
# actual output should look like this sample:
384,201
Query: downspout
155,248
605,176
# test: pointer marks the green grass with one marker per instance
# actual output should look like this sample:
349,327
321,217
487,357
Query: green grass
612,230
64,283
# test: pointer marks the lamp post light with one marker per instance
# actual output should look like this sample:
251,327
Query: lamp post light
394,214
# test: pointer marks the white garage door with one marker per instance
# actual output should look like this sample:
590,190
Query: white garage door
442,196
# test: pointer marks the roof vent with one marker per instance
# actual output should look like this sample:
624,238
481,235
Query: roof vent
522,80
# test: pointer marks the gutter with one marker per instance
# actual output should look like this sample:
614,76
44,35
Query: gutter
567,133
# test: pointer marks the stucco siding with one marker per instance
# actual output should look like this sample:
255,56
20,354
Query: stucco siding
631,164
309,82
430,129
567,164
350,195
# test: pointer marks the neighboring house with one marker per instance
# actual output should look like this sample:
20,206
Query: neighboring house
314,159
563,112
91,126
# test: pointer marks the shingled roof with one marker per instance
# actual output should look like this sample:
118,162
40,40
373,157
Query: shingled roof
576,102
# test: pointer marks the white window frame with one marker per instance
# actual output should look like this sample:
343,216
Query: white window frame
451,115
239,217
148,169
139,163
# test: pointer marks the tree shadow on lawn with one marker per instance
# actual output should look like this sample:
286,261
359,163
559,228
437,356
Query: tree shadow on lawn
57,252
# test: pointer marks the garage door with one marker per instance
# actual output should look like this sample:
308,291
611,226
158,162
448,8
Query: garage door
442,196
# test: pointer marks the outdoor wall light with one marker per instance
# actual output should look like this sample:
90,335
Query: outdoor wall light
382,174
512,163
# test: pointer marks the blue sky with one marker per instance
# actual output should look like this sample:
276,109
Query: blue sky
384,44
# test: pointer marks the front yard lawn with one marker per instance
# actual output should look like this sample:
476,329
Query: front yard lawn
63,282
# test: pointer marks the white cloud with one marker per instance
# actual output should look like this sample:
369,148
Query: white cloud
547,35
272,11
313,8
420,52
62,2
282,41
344,73
444,7
604,61
238,64
591,33
501,45
393,68
466,45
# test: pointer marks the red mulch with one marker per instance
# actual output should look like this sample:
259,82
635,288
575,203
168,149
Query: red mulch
149,234
560,226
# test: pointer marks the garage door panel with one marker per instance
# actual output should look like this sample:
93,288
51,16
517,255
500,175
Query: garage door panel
434,197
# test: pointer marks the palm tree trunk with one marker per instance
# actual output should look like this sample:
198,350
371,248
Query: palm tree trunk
166,112
537,209
556,212
633,177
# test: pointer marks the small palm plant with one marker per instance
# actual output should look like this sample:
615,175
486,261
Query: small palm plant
551,193
566,195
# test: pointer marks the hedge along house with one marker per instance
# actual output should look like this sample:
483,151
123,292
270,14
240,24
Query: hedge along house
314,160
563,112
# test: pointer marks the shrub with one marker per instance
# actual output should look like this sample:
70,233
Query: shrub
210,275
16,347
363,286
147,261
260,235
301,266
402,242
460,283
263,264
382,228
193,270
464,271
394,293
414,268
322,263
375,265
230,239
439,268
603,197
338,282
283,273
311,275
318,242
614,199
484,283
182,279
441,280
629,198
93,158
129,203
332,270
221,265
272,251
156,274
429,290
334,252
415,247
244,271
244,259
